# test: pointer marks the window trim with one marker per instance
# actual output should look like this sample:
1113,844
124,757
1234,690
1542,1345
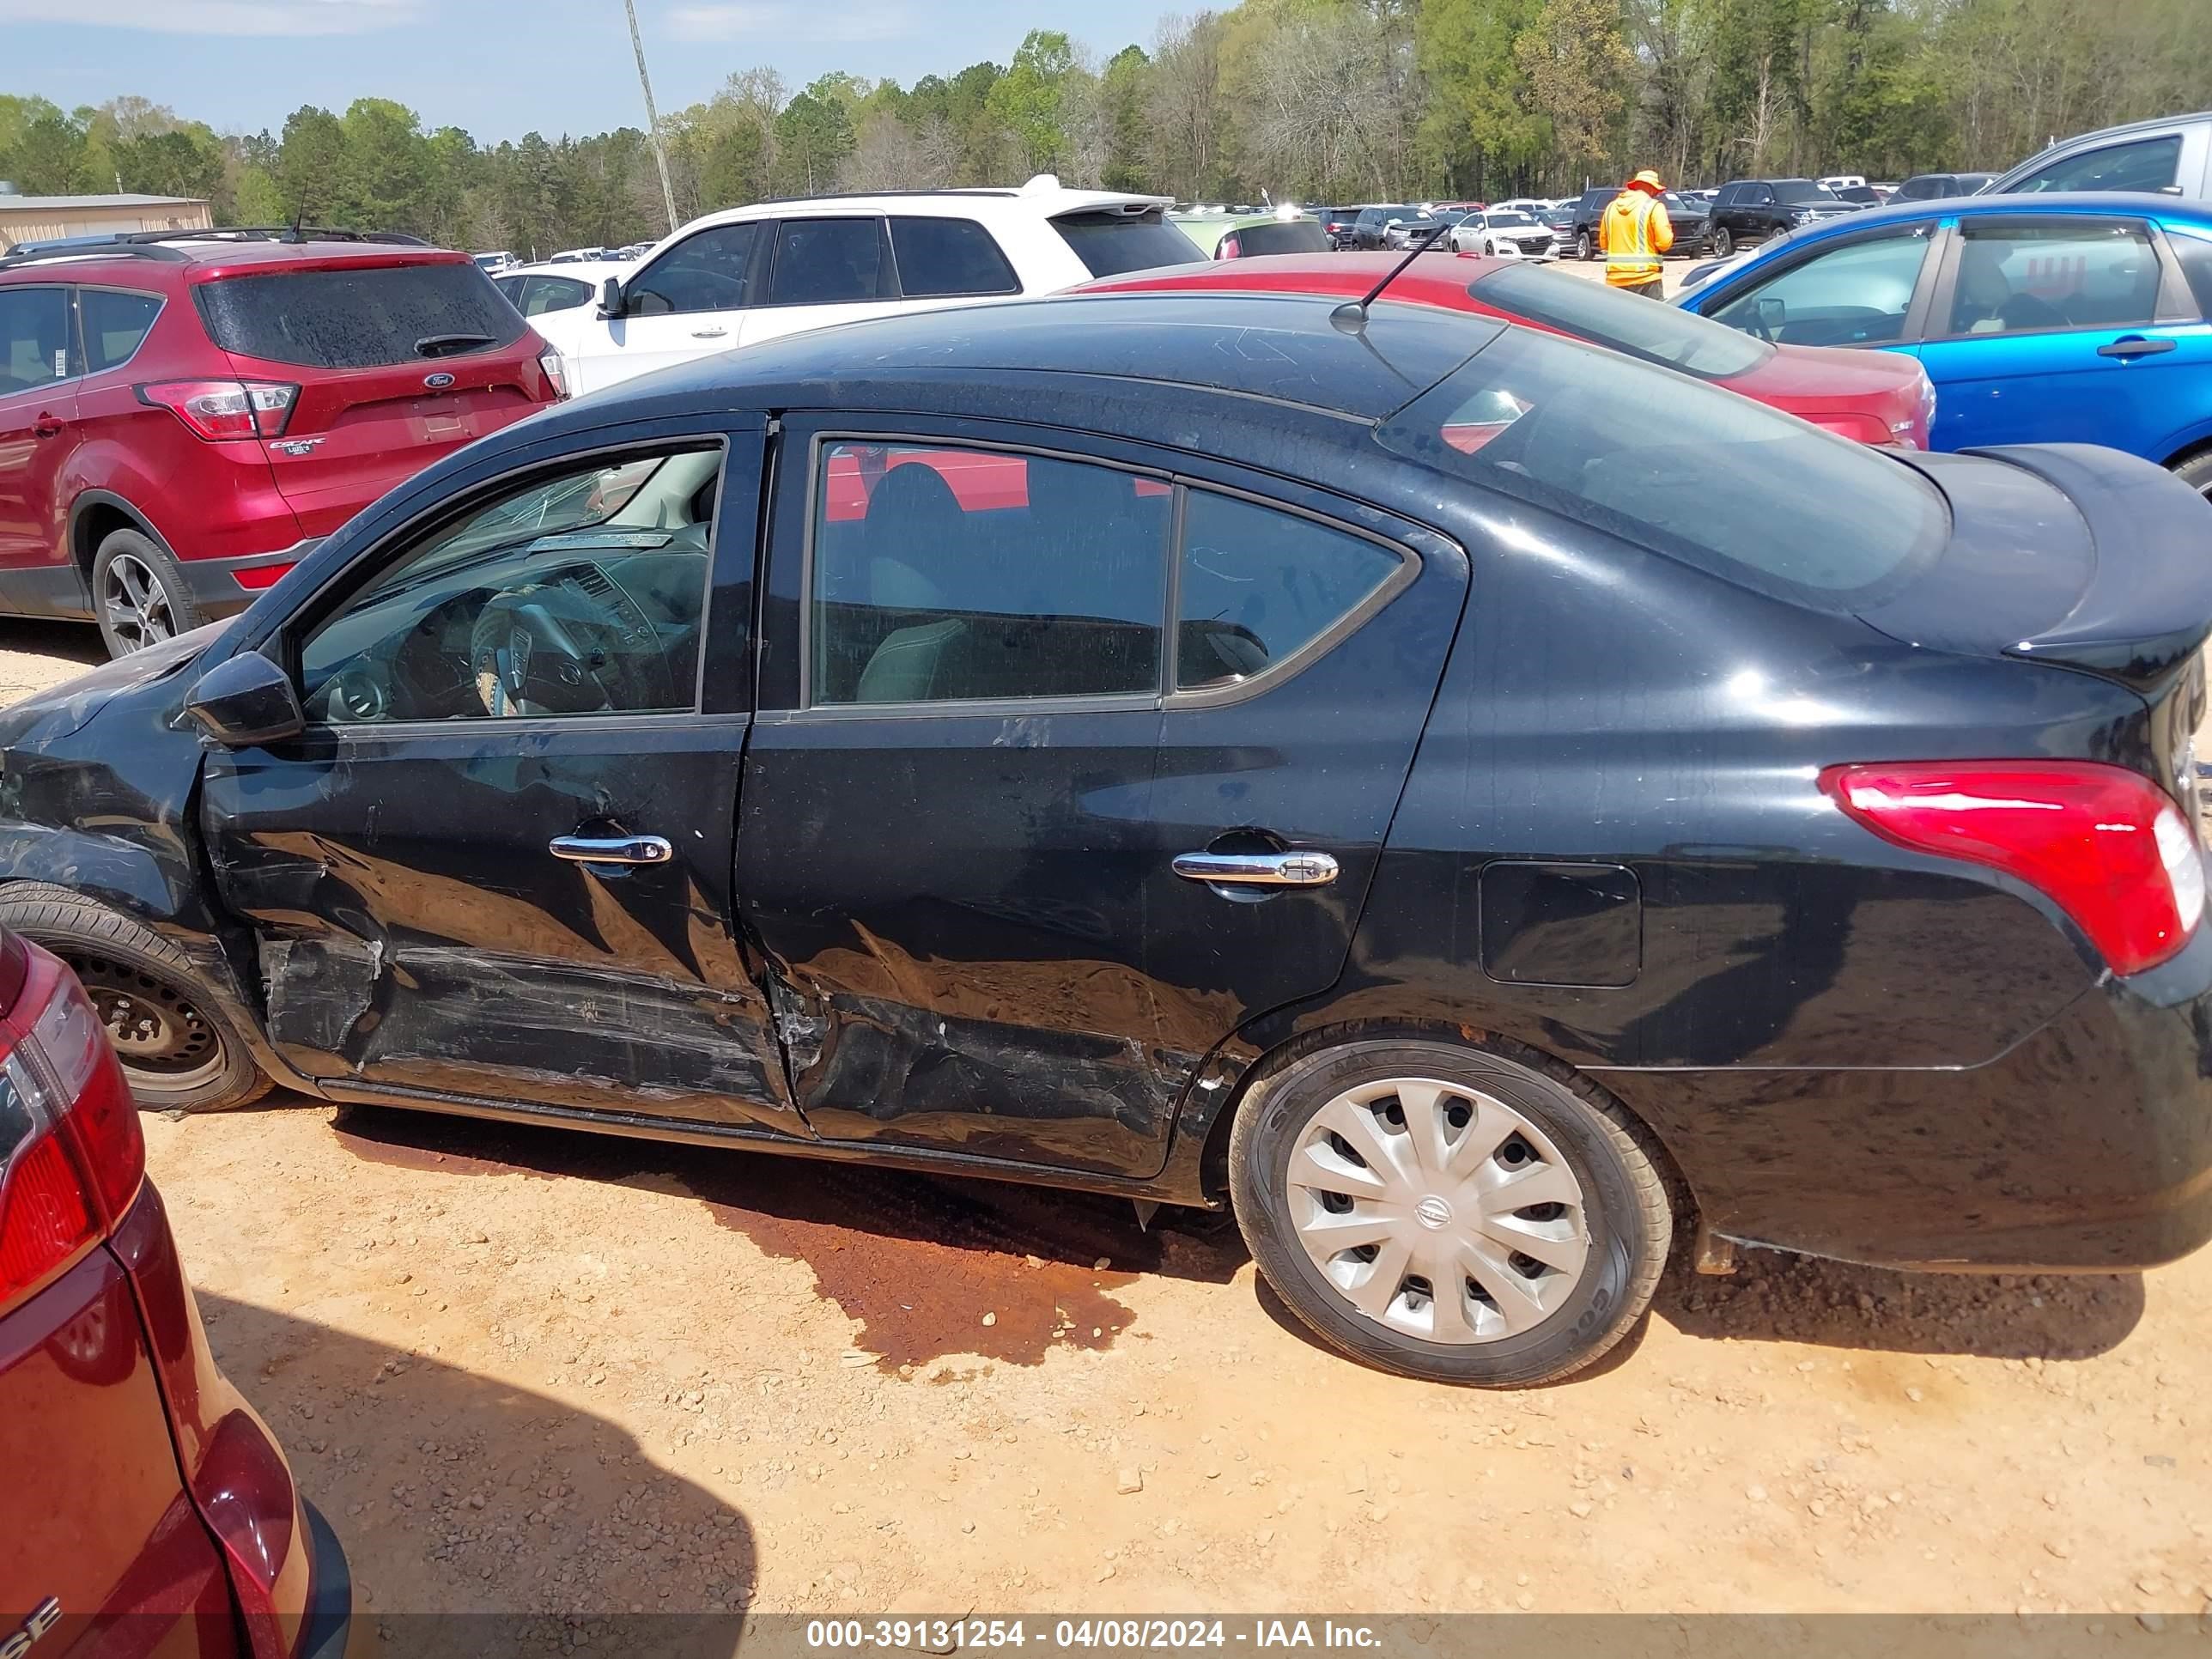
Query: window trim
1164,696
75,348
1942,299
290,635
84,350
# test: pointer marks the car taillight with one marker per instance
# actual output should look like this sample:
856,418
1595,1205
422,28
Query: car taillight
557,372
216,410
74,1155
2108,846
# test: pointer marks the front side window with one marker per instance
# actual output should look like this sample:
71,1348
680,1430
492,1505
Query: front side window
1258,585
1720,482
939,257
1797,191
1855,295
34,331
2148,165
2034,279
826,262
706,272
1592,311
577,594
945,574
115,325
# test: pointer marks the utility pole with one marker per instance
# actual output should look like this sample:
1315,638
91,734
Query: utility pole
651,115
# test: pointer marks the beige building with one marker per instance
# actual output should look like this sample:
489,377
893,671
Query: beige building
46,218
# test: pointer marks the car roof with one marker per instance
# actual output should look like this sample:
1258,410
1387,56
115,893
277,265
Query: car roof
1232,351
1437,277
2150,123
204,258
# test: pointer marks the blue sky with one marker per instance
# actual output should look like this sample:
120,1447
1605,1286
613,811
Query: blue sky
501,68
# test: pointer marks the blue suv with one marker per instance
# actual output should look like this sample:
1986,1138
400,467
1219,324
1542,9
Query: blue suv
2039,318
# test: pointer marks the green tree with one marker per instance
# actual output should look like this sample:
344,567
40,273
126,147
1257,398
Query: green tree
1026,101
1482,128
813,137
1578,70
312,168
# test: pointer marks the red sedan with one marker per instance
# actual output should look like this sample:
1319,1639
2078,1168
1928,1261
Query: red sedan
1874,396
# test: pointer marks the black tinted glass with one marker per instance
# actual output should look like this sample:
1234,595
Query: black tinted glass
1109,244
826,262
115,325
1297,236
706,272
359,317
949,256
1259,585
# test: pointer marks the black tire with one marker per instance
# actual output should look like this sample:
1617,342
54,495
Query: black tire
190,1058
1584,249
2196,472
1723,244
140,595
1626,1212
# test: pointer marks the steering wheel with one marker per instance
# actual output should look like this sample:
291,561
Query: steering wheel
571,642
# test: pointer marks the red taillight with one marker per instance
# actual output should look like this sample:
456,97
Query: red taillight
72,1155
217,410
2108,846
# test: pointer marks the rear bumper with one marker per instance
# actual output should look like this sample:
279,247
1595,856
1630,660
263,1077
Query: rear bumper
331,1631
222,587
2085,1147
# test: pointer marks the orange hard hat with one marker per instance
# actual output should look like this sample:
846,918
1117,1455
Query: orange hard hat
1646,179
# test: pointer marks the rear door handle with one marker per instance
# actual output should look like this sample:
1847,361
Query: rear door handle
1257,869
708,333
2134,345
611,849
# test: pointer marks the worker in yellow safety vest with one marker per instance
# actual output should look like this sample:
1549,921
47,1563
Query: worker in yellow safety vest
1634,232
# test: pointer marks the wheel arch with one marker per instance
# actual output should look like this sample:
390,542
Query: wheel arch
2199,443
1238,1074
96,515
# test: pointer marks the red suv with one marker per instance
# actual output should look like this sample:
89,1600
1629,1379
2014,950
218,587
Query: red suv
156,1514
183,415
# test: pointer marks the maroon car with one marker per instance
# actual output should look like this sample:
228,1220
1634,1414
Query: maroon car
184,415
151,1512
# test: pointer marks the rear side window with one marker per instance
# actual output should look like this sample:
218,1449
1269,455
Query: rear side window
34,330
943,574
1257,587
939,257
1111,244
115,326
359,316
1718,481
2017,279
1626,322
2195,252
826,262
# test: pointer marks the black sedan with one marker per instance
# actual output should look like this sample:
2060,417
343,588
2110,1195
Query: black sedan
1483,807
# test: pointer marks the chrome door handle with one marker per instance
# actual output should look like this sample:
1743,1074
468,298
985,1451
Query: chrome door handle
1257,869
708,333
611,849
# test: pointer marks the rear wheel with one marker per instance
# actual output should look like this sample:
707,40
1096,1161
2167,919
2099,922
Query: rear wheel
139,594
178,1050
1583,249
1451,1213
1723,244
2197,473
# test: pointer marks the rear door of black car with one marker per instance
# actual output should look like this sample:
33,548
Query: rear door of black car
496,864
973,774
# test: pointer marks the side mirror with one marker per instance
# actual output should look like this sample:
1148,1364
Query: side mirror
246,702
610,297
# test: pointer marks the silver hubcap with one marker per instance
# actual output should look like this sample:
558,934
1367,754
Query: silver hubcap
1437,1211
137,604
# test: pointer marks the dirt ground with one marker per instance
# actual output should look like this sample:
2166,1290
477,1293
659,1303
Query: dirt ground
531,1371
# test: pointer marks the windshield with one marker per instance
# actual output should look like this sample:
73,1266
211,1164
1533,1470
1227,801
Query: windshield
1410,215
358,316
1507,220
1591,311
1283,236
1801,189
1716,481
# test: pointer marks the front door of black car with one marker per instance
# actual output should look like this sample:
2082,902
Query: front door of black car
976,769
496,865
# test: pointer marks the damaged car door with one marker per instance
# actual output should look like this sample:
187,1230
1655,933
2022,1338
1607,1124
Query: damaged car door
496,865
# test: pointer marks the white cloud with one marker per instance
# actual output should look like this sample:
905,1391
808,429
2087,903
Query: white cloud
766,22
221,16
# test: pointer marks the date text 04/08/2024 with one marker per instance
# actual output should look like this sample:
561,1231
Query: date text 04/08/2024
947,1635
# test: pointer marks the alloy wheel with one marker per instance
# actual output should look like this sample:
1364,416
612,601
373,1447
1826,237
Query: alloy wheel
1437,1210
136,603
